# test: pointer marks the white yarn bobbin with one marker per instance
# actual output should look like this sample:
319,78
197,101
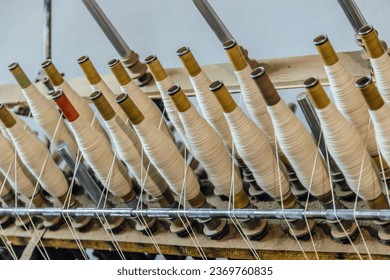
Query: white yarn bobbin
43,110
294,139
346,96
206,145
97,83
345,145
251,95
35,156
208,103
162,152
379,59
251,142
129,148
96,150
379,112
164,82
13,171
78,102
140,98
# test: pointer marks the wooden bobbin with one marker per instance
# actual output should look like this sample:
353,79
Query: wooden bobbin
119,72
235,55
189,61
19,75
102,104
156,68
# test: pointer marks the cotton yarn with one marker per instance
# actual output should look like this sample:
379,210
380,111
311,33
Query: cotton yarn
346,96
44,112
162,152
251,95
294,140
206,145
95,149
345,145
129,148
208,103
163,83
13,171
140,98
35,156
253,146
379,58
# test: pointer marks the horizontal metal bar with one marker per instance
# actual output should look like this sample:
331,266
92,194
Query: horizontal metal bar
280,214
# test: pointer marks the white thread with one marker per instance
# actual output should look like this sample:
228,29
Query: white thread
381,66
5,187
99,155
170,107
347,148
299,147
255,103
129,150
47,116
146,105
32,153
351,103
14,173
110,96
167,159
211,109
381,122
82,107
257,152
208,148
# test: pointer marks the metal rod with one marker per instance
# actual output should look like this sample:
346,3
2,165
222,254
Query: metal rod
353,13
330,214
82,174
213,20
47,29
105,24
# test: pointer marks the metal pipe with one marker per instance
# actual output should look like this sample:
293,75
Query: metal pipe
205,213
353,13
47,29
82,174
105,24
130,58
213,20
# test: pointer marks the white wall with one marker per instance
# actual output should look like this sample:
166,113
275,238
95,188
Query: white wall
267,28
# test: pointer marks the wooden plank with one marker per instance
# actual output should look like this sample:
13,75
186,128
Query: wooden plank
277,244
285,73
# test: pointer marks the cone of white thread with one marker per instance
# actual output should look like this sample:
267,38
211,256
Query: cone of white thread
129,148
13,171
163,154
345,145
96,151
164,82
43,110
346,96
379,112
35,156
251,95
294,139
78,102
208,103
379,59
140,98
97,83
253,146
206,145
